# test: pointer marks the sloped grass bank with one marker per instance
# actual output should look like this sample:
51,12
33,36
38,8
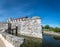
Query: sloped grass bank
31,42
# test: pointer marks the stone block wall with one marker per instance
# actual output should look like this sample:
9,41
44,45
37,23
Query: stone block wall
29,26
14,40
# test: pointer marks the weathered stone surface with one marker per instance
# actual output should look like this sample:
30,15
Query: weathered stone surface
29,27
14,40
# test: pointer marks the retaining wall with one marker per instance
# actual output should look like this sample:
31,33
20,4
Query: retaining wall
14,40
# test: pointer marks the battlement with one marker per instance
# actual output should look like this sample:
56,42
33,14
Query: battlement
23,19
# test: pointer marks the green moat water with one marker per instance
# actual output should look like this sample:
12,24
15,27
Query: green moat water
50,41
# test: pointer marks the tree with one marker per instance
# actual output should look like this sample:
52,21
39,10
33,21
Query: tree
47,27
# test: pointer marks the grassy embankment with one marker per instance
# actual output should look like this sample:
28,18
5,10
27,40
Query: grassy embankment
31,42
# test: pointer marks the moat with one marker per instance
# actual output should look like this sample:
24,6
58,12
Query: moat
50,41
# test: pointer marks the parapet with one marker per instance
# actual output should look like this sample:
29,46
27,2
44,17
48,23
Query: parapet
14,40
35,17
24,19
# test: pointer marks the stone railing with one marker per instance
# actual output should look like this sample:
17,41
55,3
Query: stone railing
14,40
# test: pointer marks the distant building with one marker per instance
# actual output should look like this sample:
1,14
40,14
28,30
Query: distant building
3,25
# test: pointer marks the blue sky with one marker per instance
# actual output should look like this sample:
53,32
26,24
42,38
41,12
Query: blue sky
48,10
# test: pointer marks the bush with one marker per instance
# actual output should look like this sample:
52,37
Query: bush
56,29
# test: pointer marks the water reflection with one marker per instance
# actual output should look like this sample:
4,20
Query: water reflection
56,38
50,41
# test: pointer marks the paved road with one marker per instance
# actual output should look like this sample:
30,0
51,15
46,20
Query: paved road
52,33
1,43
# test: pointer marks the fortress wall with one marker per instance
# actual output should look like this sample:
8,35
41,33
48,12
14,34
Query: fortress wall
7,44
11,40
29,27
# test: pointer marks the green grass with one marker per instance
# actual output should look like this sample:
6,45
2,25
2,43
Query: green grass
31,42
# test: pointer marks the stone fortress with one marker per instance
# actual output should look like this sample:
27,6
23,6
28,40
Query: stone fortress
26,26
